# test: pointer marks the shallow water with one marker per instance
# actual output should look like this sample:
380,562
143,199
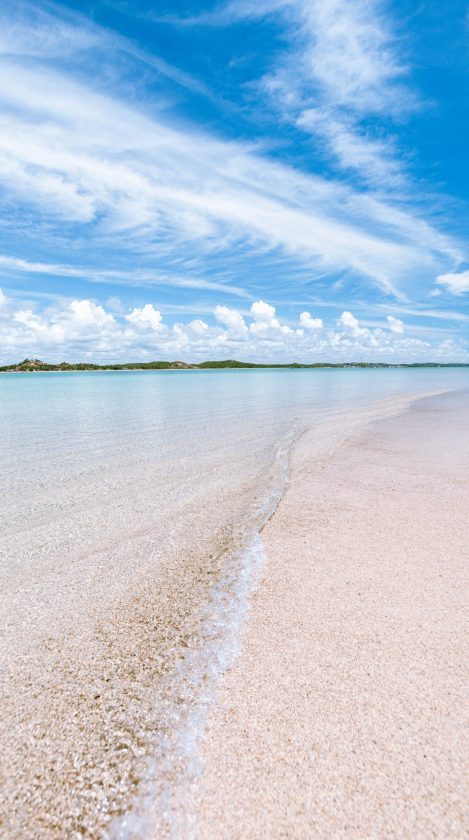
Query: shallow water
85,440
117,484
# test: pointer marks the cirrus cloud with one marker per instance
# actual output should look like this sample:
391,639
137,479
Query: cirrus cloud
456,284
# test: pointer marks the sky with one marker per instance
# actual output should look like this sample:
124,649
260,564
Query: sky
265,180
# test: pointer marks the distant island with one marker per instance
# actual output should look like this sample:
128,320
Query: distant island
36,365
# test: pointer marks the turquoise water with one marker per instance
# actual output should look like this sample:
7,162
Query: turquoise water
91,460
129,415
166,442
121,471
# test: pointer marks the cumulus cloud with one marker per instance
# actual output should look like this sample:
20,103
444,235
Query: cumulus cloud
265,322
395,324
310,323
232,319
349,322
76,320
82,329
147,316
262,311
198,326
374,338
88,314
457,283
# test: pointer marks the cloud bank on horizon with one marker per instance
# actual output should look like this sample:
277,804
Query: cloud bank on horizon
91,331
279,179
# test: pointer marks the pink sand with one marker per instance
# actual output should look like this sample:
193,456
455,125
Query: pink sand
344,715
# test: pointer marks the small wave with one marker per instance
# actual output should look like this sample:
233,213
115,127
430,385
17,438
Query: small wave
163,807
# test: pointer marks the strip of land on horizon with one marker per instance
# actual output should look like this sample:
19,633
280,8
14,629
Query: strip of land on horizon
36,365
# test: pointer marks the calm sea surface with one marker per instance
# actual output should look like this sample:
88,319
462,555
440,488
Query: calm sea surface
92,464
118,492
187,428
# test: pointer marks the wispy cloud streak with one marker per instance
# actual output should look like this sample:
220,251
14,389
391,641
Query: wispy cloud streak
140,279
83,157
340,69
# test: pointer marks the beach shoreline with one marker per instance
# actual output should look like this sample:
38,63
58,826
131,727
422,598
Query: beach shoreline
162,806
344,714
99,717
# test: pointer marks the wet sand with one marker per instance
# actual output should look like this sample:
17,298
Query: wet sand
344,715
82,709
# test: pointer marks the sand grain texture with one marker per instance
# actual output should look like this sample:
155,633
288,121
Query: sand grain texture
344,715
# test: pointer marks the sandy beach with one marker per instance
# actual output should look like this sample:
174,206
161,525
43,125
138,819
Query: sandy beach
344,714
341,712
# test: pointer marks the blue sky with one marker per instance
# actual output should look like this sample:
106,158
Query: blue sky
257,179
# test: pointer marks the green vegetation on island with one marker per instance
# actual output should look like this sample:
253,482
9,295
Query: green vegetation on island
36,365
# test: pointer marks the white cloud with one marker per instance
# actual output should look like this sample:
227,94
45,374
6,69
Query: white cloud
263,312
232,319
374,158
80,329
75,319
9,265
349,322
35,33
198,326
340,67
40,331
457,284
87,313
265,322
352,54
147,316
232,11
76,156
366,337
395,324
439,314
115,304
14,264
310,323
